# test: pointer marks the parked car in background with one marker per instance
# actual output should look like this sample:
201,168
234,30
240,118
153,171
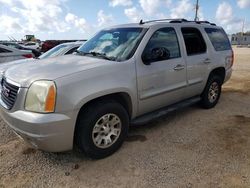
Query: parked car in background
32,45
35,52
49,44
62,49
8,54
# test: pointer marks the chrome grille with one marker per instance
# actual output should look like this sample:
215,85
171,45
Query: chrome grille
8,93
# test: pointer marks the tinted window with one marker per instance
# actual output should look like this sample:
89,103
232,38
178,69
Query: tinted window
165,38
30,44
194,41
218,38
2,50
12,45
72,50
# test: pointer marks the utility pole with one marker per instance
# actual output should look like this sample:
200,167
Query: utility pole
243,25
196,11
242,31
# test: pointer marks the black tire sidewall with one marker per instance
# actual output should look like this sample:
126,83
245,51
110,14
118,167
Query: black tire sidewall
86,124
205,101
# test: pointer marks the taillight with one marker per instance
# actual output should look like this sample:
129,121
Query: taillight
229,61
28,55
232,58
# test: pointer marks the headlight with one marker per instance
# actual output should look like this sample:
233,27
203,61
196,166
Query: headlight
1,78
41,97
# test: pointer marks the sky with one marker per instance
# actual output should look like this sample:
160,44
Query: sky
80,19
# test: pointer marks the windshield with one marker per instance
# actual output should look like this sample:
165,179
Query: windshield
117,44
54,51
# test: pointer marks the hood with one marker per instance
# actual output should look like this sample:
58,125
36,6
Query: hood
6,65
51,68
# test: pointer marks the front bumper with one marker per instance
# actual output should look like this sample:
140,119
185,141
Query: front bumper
49,132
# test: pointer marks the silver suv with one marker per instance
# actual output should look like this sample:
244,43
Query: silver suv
126,74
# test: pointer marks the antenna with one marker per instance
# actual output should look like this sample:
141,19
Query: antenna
196,10
10,38
13,39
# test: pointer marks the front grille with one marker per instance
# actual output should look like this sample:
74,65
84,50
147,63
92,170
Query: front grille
8,93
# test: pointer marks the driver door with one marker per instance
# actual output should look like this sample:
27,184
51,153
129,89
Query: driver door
162,79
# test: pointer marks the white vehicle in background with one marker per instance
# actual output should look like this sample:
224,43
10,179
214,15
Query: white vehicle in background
35,52
62,49
59,50
8,54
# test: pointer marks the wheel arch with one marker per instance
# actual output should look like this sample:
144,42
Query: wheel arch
121,97
218,71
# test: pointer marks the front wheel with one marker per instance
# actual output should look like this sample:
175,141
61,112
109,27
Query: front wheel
212,92
101,129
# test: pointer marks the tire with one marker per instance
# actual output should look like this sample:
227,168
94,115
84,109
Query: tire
210,98
96,128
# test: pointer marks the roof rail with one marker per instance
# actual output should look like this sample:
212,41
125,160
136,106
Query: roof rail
160,20
178,20
203,22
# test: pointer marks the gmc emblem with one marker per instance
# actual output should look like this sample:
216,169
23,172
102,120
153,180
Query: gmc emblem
5,91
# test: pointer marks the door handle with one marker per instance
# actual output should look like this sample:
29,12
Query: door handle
206,61
179,67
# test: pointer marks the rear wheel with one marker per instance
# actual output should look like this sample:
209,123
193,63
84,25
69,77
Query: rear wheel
212,92
101,129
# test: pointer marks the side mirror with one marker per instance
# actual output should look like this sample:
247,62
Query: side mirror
156,54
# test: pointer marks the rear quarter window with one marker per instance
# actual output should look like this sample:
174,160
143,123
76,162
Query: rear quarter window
218,39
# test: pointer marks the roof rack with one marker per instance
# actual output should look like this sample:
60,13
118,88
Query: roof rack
160,20
203,22
179,20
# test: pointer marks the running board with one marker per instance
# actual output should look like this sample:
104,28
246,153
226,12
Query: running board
164,111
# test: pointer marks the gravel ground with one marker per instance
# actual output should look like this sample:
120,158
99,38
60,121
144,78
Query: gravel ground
191,147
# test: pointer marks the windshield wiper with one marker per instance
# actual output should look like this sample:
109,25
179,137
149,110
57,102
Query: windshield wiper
97,54
102,55
79,52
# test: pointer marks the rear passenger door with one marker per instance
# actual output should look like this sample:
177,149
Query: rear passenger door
197,60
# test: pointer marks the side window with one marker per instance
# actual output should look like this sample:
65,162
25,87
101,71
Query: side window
218,38
71,51
163,45
194,41
30,44
2,50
